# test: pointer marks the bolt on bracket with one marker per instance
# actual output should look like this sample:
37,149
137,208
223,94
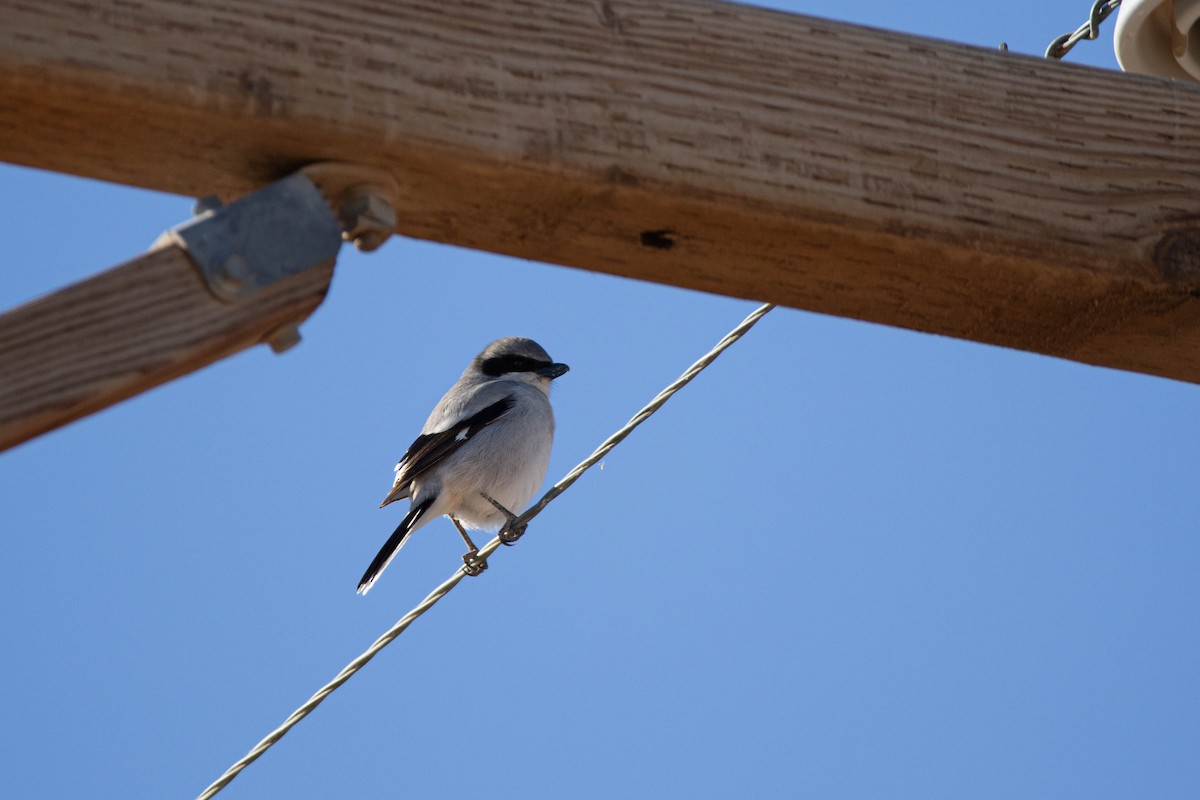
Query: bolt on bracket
364,199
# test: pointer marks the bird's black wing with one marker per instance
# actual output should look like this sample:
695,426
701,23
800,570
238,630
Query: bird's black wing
430,449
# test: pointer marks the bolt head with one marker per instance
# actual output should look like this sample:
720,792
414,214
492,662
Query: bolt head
232,276
203,205
367,217
283,338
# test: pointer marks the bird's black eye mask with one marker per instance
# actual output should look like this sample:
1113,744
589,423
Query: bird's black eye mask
499,365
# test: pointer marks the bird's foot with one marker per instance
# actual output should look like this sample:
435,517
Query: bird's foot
511,530
508,536
473,563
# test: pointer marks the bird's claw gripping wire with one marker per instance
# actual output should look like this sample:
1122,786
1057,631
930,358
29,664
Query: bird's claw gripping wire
511,530
473,564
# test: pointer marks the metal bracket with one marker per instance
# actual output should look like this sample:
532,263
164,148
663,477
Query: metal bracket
278,231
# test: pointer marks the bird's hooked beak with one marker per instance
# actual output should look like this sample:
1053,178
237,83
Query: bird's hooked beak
553,371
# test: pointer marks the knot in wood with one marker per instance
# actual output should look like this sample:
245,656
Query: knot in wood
1177,256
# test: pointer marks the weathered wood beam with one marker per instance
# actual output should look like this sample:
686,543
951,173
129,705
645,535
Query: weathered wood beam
127,330
943,188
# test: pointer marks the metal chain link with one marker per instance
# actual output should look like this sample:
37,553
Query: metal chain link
1101,9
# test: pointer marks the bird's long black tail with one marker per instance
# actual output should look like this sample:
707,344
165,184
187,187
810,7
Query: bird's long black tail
393,544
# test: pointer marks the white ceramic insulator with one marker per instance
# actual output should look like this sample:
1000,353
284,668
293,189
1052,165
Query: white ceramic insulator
1159,37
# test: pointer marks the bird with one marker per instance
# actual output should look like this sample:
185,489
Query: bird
483,452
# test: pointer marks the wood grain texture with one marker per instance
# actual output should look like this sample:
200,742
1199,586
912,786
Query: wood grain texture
725,148
127,330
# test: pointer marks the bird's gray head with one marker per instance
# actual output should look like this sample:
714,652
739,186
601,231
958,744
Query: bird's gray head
517,358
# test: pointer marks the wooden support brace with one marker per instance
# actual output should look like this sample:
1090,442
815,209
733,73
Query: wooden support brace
227,279
126,330
948,189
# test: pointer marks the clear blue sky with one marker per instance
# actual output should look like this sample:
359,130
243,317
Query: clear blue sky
909,567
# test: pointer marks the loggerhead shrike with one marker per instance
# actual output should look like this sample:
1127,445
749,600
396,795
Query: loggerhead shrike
483,451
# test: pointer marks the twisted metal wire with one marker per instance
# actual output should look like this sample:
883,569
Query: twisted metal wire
508,534
641,416
326,690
